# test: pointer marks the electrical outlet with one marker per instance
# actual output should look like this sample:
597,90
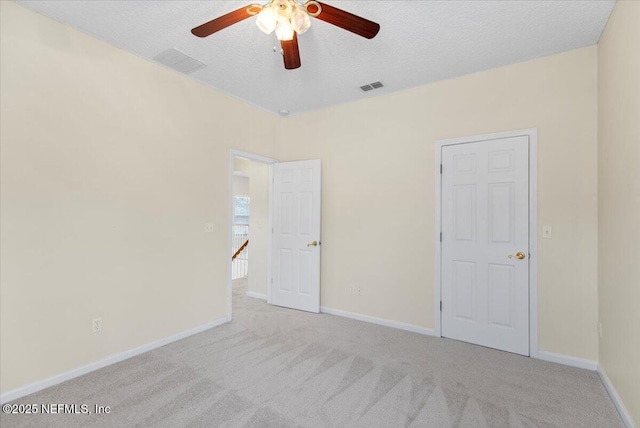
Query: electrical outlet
359,290
209,227
96,325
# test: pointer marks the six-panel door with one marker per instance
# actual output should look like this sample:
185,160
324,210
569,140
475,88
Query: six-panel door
485,224
296,235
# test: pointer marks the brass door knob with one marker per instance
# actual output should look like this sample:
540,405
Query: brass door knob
519,255
312,244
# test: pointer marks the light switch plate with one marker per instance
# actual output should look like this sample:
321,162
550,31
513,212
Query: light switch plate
96,325
546,232
209,227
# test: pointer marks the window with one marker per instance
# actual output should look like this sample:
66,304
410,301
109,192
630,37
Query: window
241,210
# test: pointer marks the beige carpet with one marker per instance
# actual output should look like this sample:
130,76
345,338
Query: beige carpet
275,367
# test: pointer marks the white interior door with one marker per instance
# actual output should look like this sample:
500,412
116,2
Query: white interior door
485,243
296,235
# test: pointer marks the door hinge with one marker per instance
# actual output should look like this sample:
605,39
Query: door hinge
440,305
440,236
440,168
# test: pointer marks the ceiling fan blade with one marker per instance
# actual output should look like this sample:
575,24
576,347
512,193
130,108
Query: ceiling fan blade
222,22
348,21
291,53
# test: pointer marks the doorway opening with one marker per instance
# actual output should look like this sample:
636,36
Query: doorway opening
281,244
248,228
240,227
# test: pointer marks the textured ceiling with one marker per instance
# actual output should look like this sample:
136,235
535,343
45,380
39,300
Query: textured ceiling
419,42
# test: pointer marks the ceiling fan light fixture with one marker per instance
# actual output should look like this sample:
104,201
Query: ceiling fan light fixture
300,20
285,17
267,20
284,31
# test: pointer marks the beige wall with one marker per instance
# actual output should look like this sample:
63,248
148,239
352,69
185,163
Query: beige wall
378,189
258,222
111,166
619,201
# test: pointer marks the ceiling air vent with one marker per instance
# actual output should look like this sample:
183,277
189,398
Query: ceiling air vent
371,86
179,61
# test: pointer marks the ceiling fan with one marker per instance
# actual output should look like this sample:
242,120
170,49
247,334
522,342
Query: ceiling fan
288,18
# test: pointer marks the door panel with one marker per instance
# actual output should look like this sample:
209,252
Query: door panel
296,220
464,278
464,212
284,285
500,294
485,218
501,211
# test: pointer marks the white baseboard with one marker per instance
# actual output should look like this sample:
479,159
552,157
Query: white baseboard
617,401
581,363
112,359
379,321
256,295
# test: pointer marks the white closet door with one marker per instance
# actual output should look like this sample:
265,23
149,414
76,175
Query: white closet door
485,243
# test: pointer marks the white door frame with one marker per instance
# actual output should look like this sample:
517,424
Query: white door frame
533,227
256,158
